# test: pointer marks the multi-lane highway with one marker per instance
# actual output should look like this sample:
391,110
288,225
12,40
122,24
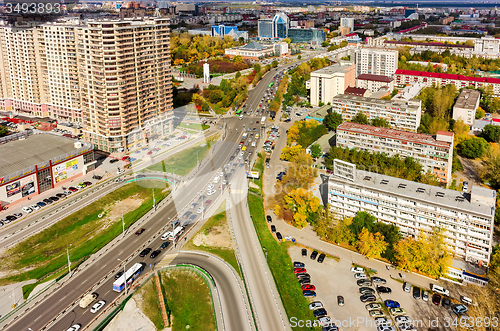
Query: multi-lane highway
269,311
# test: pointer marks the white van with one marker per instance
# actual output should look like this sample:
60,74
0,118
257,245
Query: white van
166,235
177,232
440,290
466,300
241,117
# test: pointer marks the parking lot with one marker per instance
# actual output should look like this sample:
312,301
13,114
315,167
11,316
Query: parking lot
333,278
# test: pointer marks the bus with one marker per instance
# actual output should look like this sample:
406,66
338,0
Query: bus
130,275
271,85
238,112
177,232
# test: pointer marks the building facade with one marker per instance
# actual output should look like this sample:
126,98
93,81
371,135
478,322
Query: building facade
376,61
274,28
401,115
255,51
404,77
330,81
466,105
311,36
222,30
113,76
435,153
466,218
34,162
373,83
347,22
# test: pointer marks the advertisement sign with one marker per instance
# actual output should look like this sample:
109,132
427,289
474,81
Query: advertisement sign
28,185
253,174
72,165
60,172
13,188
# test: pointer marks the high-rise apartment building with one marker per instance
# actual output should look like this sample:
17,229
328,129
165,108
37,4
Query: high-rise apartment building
327,82
467,219
274,28
113,76
402,115
376,61
435,153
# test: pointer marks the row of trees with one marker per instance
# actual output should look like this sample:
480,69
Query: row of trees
300,135
426,253
276,103
396,166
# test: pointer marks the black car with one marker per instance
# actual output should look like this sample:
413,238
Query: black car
269,218
416,292
193,217
320,312
366,290
340,300
145,252
384,289
367,298
118,275
278,235
321,258
11,218
97,177
273,229
155,254
304,252
61,195
304,281
165,245
303,275
379,280
446,302
364,282
314,254
113,160
47,201
187,214
54,199
436,299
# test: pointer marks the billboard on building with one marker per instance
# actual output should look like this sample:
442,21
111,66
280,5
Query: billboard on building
253,174
28,185
13,188
60,173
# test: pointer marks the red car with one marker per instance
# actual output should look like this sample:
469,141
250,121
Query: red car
183,137
73,189
88,183
125,158
207,202
299,270
150,152
139,232
308,287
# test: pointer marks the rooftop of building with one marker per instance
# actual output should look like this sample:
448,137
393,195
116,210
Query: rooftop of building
350,90
435,44
418,138
448,76
468,99
429,194
335,68
374,100
375,78
35,149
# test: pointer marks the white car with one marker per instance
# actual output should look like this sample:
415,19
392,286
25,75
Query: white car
211,192
315,305
358,269
216,179
382,321
210,187
325,321
360,276
120,171
385,328
403,320
254,144
75,327
27,209
35,207
200,210
97,306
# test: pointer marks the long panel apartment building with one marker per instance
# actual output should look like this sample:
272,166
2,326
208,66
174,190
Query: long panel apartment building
466,218
435,153
113,76
404,115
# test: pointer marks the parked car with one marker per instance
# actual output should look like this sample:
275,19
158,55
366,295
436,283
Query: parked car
308,287
27,210
459,309
309,293
299,270
358,270
47,201
365,290
391,304
384,289
304,252
416,292
376,313
406,287
379,280
315,305
425,296
382,321
303,281
359,276
54,199
41,204
273,229
145,252
321,258
72,189
314,254
269,218
340,300
278,235
436,299
367,298
397,311
75,327
446,302
302,275
116,160
371,306
364,282
320,312
35,207
298,265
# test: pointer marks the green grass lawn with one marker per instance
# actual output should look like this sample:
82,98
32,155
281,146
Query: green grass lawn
45,252
194,126
150,304
183,162
258,166
281,266
218,220
188,298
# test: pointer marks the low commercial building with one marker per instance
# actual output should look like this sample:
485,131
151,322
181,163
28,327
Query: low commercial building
466,105
232,31
311,36
466,218
373,83
35,162
327,82
439,79
435,153
403,115
255,51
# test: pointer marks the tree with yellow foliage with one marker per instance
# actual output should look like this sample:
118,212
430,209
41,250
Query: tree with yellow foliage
290,151
372,245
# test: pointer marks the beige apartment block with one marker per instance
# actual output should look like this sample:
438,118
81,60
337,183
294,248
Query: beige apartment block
330,81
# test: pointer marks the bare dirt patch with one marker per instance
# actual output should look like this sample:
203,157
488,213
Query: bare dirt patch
216,236
115,211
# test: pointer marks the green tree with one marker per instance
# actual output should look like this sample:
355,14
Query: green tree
3,130
362,220
490,172
380,122
238,75
332,120
473,147
360,118
491,133
316,150
479,113
274,64
256,67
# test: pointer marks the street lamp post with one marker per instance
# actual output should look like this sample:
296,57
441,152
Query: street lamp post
69,263
124,274
123,225
154,203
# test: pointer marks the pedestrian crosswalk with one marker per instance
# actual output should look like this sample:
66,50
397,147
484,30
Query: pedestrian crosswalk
166,260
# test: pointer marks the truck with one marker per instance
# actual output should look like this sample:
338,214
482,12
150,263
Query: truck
245,135
87,300
263,121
